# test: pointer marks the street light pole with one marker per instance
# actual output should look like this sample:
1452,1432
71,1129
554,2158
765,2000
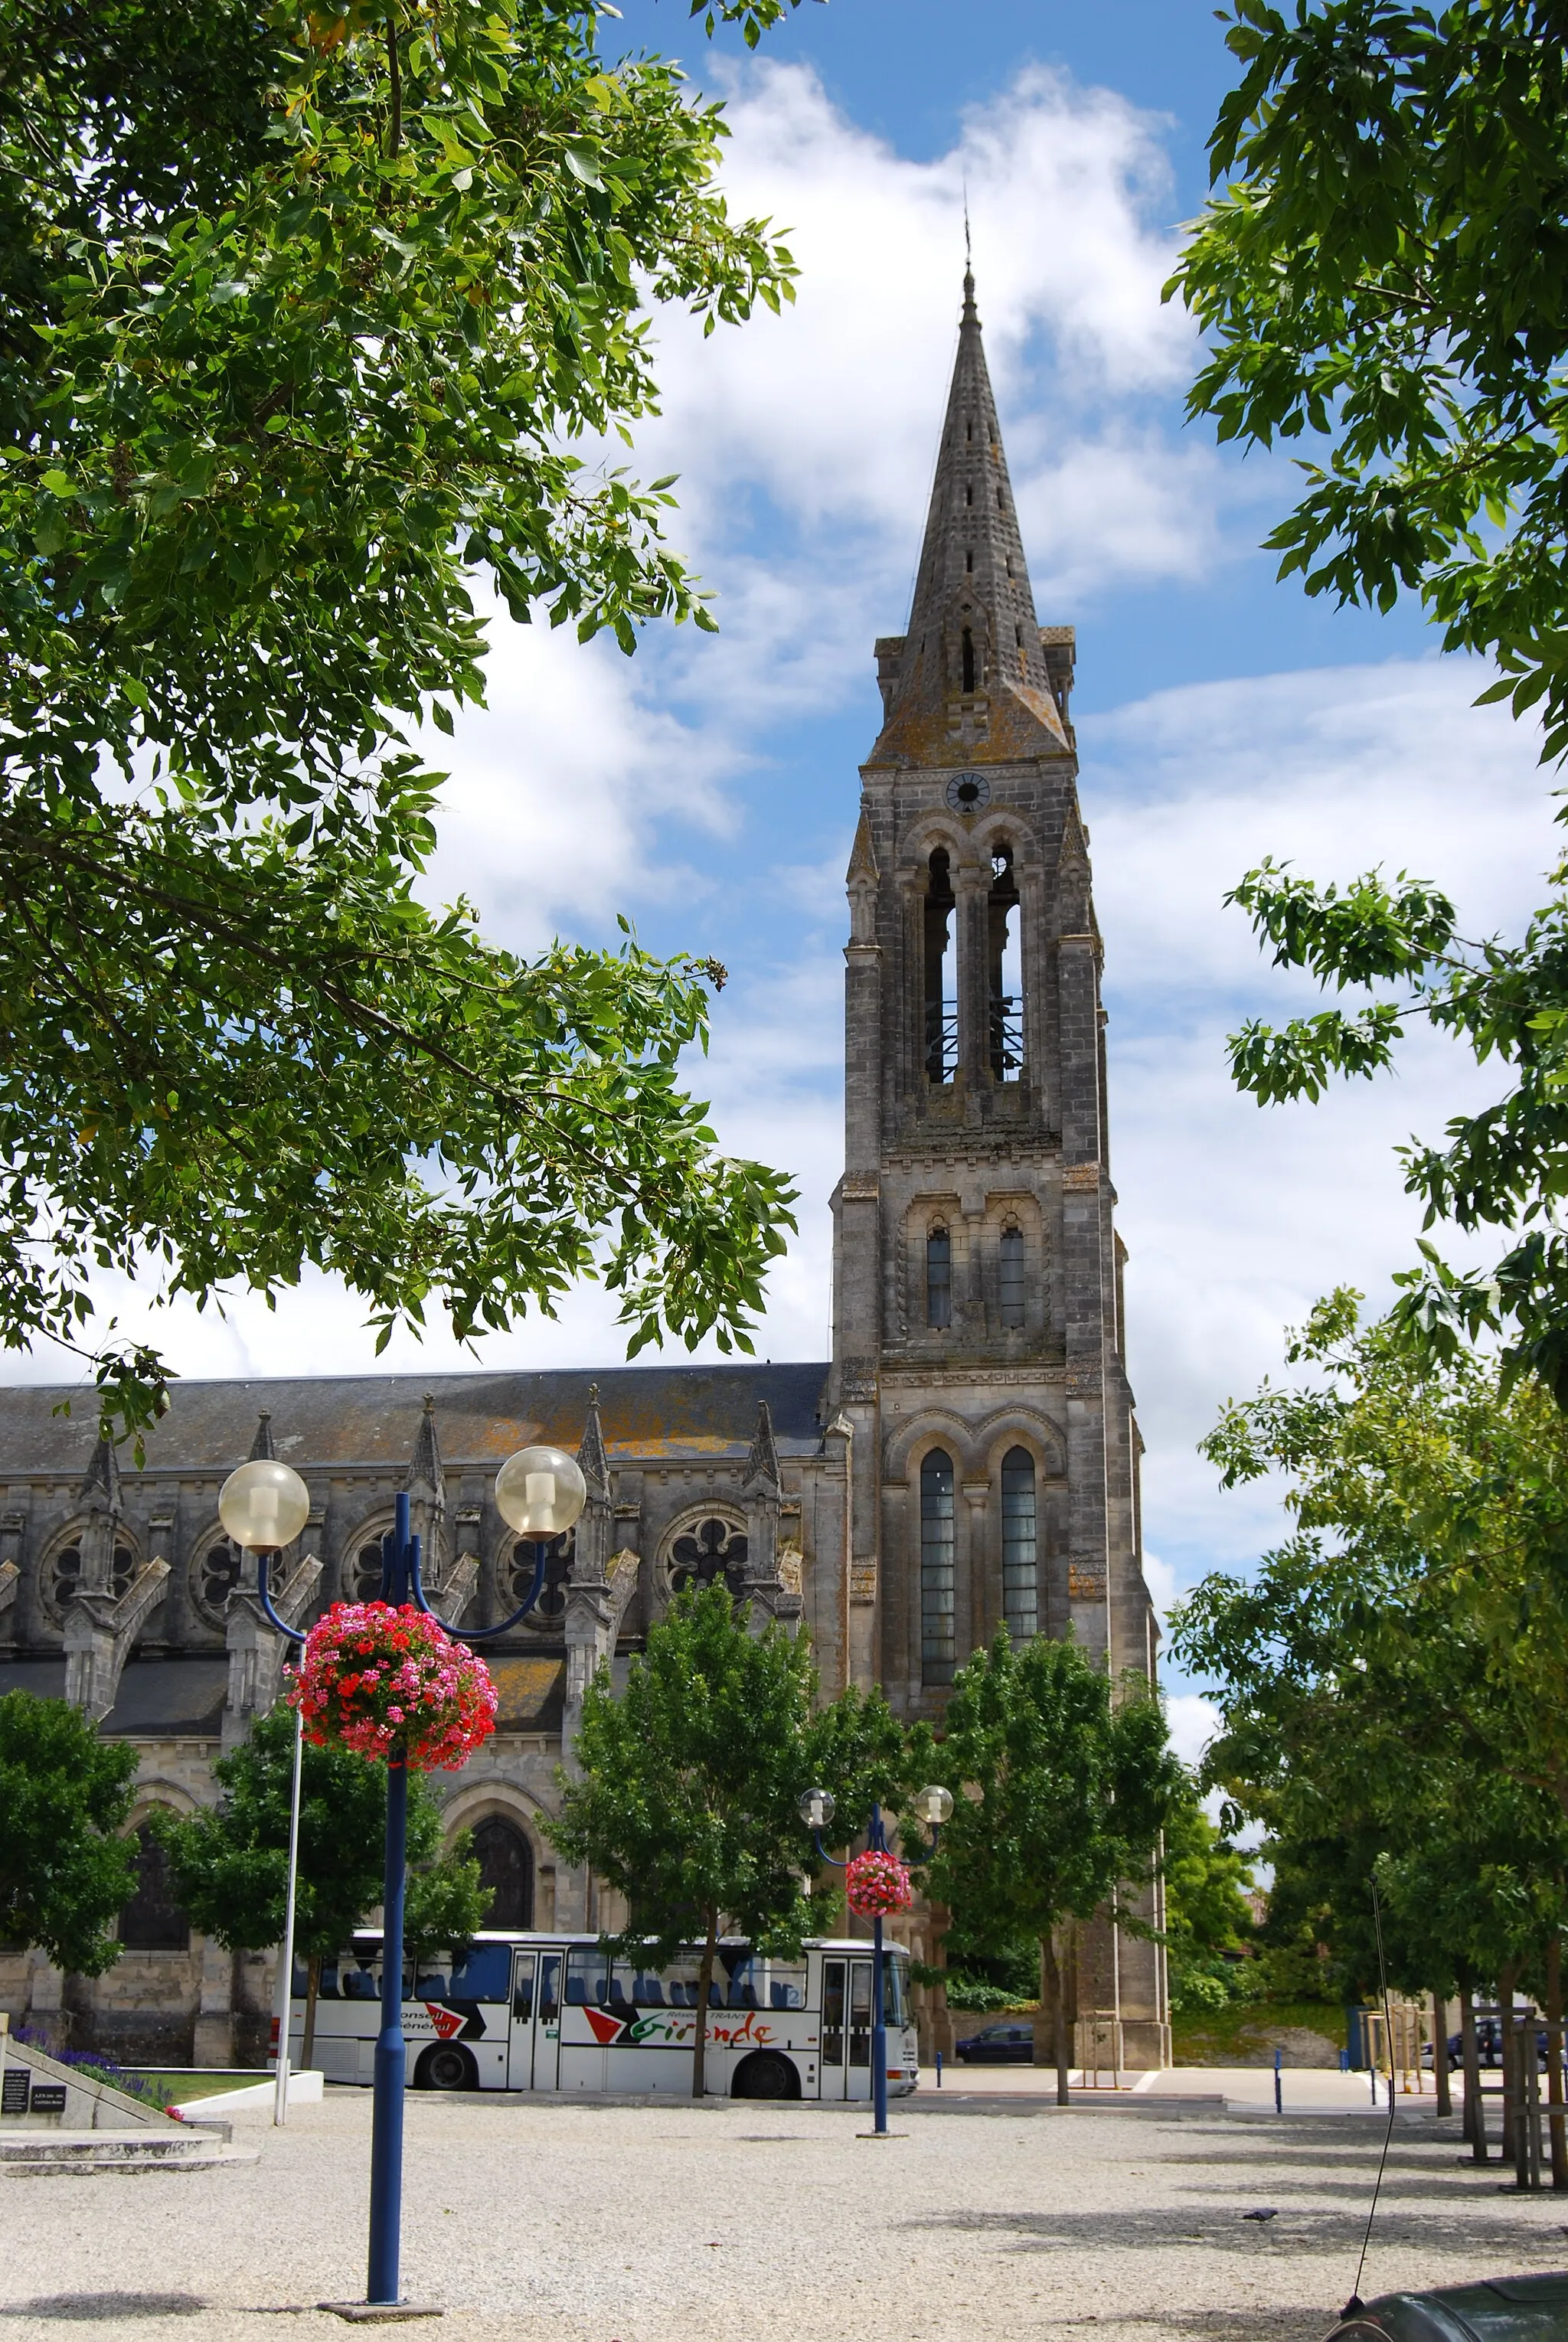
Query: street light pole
279,2095
539,1492
817,1807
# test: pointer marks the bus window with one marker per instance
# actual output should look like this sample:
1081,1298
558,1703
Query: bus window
358,1984
430,1984
833,2012
587,1978
860,2013
895,2011
481,1973
623,1987
523,1989
786,1984
549,1987
744,1980
679,1979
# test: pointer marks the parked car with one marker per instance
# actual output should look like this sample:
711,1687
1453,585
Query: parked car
1488,2046
1502,2309
1009,2042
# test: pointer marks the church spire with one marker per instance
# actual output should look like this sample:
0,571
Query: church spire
970,683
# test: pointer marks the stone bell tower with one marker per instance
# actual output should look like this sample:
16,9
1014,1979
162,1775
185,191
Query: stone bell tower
978,1351
978,1345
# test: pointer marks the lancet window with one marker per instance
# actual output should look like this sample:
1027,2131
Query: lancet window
1020,1563
938,1650
939,1277
941,987
1005,969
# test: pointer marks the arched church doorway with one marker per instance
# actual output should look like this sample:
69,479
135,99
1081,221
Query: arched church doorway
505,1862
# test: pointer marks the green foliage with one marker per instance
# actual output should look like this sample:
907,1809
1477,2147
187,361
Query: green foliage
686,1795
445,1902
302,313
1506,1167
686,1800
1393,1679
1059,1792
65,1796
228,1864
1386,268
1207,1911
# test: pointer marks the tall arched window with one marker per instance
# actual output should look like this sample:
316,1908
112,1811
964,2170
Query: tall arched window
1004,968
966,652
1011,1281
937,1646
505,1862
1019,1566
152,1921
939,1278
941,987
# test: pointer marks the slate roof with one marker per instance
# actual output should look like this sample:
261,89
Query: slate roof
158,1699
651,1413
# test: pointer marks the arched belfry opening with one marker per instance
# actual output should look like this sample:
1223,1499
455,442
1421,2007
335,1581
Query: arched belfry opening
966,660
941,987
1004,970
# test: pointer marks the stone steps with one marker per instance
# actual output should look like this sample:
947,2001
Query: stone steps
86,2153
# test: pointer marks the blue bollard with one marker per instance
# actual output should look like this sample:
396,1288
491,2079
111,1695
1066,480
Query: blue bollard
939,2069
1279,2092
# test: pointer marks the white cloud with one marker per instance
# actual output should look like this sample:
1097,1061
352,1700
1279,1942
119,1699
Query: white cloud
1238,1218
1192,1722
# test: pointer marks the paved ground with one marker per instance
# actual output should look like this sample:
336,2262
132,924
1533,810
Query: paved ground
999,2222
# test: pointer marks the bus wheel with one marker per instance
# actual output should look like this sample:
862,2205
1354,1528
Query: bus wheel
766,2076
446,2068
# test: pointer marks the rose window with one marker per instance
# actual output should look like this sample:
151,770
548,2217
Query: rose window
710,1551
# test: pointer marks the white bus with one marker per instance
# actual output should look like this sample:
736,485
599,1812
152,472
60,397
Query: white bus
556,2012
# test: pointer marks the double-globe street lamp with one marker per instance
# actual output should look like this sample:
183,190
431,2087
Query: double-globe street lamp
817,1807
539,1493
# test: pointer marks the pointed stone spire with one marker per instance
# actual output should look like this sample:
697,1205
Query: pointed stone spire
762,1463
591,1456
100,1489
426,1486
863,870
969,682
425,1463
261,1448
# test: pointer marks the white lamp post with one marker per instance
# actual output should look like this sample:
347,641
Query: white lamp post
264,1506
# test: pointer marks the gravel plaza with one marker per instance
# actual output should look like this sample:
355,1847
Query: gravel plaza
992,2215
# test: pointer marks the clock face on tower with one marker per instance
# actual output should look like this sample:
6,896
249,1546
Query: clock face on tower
967,791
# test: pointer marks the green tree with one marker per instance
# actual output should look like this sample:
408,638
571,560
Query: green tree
229,1864
1392,1679
1384,267
65,1871
687,1792
1384,270
1060,1788
1207,1914
302,313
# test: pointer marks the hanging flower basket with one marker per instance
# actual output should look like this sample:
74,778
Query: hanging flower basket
392,1684
875,1885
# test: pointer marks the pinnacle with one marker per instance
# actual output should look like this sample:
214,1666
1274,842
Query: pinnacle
425,1463
101,1482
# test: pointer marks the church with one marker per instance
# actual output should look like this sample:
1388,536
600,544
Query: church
968,1454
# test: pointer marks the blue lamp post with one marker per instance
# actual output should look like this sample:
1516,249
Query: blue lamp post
539,1493
934,1805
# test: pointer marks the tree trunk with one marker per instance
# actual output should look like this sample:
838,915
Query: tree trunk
1055,1994
1044,2022
704,1985
1440,2053
1505,2036
312,1988
1474,2106
1557,2124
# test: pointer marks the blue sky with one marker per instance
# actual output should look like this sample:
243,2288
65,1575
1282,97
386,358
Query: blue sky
708,787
